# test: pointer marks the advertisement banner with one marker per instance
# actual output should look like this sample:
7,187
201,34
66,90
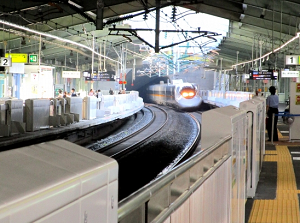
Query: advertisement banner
297,87
297,99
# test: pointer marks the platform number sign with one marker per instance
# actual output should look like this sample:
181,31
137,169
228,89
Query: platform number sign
291,59
5,62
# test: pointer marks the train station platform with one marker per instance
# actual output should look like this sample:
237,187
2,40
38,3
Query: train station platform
277,195
95,119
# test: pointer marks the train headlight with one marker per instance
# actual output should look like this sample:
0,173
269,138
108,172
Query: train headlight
187,93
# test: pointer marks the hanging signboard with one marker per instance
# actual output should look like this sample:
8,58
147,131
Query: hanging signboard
5,62
86,74
18,57
263,75
101,76
291,59
46,70
71,74
289,73
105,76
33,58
246,76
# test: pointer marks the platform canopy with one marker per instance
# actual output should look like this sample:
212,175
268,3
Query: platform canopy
252,22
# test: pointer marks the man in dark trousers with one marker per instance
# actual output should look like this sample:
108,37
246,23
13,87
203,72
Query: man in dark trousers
272,108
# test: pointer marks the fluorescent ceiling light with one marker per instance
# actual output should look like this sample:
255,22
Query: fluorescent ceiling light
75,4
267,54
55,37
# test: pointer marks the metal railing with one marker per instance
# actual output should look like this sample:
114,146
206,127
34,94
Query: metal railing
157,200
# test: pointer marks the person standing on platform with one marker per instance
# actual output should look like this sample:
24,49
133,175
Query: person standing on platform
99,94
272,108
91,93
73,93
60,94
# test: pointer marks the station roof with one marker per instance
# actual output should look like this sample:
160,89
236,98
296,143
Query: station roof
271,23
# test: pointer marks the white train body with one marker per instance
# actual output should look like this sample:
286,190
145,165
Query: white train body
180,95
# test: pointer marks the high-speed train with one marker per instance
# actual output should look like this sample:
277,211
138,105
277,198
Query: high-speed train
184,96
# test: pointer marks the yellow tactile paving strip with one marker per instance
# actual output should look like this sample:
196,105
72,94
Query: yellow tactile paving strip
270,156
285,208
279,134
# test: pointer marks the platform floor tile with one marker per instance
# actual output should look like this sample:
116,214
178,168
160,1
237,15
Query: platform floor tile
285,207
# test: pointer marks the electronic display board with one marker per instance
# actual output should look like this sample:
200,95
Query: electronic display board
100,76
263,75
86,74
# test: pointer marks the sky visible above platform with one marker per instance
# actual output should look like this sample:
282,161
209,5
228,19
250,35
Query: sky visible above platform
185,20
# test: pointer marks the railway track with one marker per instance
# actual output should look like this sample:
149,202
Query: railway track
128,143
190,150
162,142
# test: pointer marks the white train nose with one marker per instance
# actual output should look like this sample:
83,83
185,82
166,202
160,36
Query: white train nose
188,93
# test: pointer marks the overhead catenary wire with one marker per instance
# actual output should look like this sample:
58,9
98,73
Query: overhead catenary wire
54,37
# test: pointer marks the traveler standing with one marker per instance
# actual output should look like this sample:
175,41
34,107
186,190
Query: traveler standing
73,93
60,94
272,108
99,94
91,93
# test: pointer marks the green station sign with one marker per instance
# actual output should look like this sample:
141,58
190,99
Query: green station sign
33,58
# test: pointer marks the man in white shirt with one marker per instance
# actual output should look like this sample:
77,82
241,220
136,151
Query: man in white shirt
272,108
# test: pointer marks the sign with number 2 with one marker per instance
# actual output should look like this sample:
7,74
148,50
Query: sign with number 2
5,62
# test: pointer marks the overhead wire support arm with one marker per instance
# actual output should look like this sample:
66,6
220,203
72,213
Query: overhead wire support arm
167,30
174,44
141,39
131,31
134,33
